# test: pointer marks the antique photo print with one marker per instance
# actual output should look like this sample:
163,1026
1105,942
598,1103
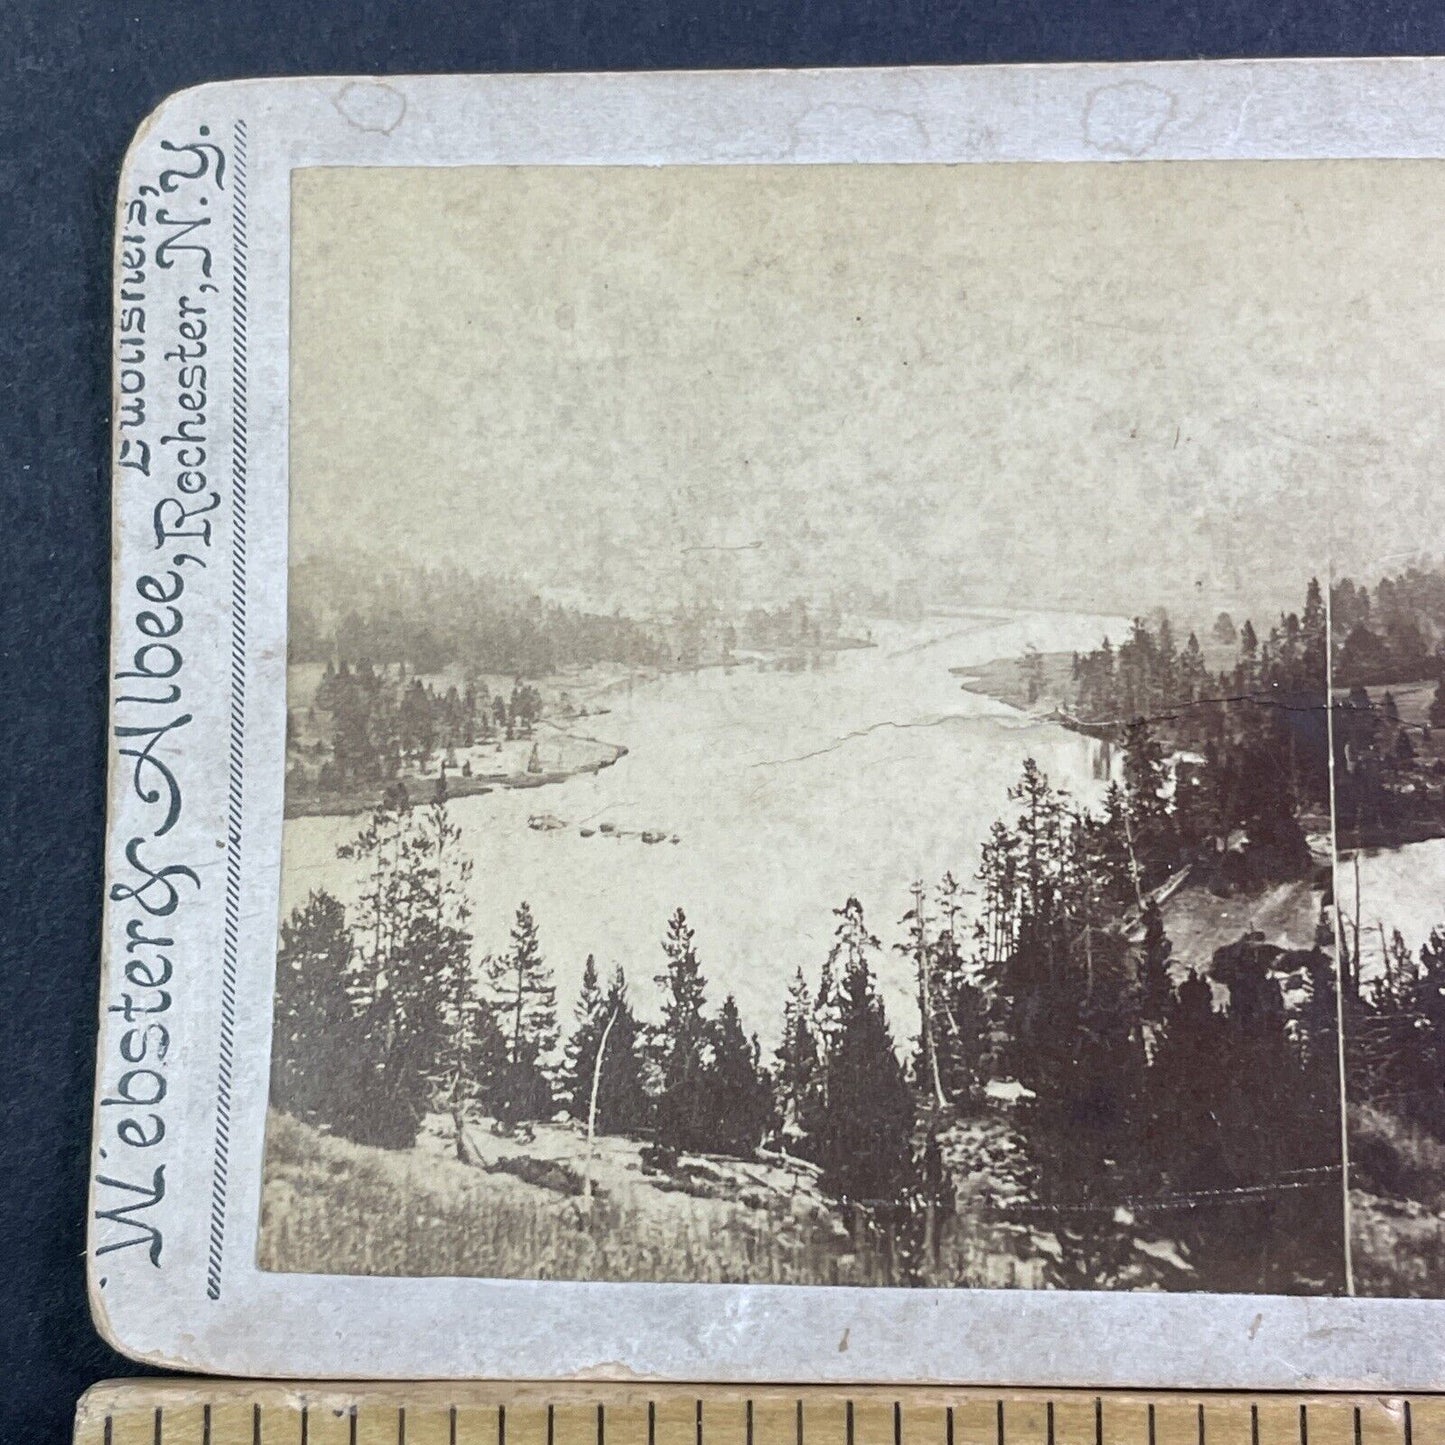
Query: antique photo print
780,725
821,706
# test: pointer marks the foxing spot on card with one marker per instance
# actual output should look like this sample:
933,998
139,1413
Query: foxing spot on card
756,769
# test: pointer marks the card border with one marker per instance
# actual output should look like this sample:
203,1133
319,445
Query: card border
199,1301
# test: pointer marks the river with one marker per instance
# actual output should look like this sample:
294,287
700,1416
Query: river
786,790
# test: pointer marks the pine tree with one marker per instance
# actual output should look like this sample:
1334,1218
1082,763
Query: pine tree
960,1008
1313,634
1165,692
1417,1000
1248,669
853,946
1184,1132
864,1138
474,1061
1287,1230
465,1066
1193,674
409,930
576,1077
682,1111
623,1104
605,1023
1152,834
796,1060
1031,666
1156,992
1437,705
526,1003
312,1039
919,949
326,689
738,1094
1084,1124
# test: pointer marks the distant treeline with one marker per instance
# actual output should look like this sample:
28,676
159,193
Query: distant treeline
431,619
1145,1093
1259,730
1395,634
1150,673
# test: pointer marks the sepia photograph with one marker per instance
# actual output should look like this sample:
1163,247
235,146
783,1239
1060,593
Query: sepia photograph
864,725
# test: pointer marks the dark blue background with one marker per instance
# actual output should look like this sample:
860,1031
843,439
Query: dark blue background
75,79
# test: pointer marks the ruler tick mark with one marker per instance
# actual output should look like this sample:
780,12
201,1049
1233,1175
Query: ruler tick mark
1049,1424
601,1424
205,1425
897,1423
798,1428
157,1428
452,1426
551,1424
1199,1416
748,1416
1254,1425
998,1423
848,1419
401,1425
699,1424
305,1423
651,1423
1409,1426
1098,1420
1151,1425
1359,1432
256,1424
502,1425
948,1426
1304,1427
351,1425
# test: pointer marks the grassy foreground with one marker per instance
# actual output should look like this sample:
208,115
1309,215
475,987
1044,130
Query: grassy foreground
333,1207
1397,1206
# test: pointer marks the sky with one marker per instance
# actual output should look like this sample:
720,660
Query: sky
1102,386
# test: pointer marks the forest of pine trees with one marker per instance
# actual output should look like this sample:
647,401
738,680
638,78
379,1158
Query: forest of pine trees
1394,1027
1248,747
428,619
1136,1076
376,723
1395,1030
1256,734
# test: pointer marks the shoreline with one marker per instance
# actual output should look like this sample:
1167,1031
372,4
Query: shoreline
421,787
352,804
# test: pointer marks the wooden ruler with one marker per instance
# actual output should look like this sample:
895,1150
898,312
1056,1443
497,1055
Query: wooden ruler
219,1412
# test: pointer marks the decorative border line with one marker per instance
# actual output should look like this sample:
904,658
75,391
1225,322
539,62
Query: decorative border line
234,809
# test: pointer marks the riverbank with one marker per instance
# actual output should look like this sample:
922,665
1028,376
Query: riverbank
1004,680
1042,691
549,753
552,756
